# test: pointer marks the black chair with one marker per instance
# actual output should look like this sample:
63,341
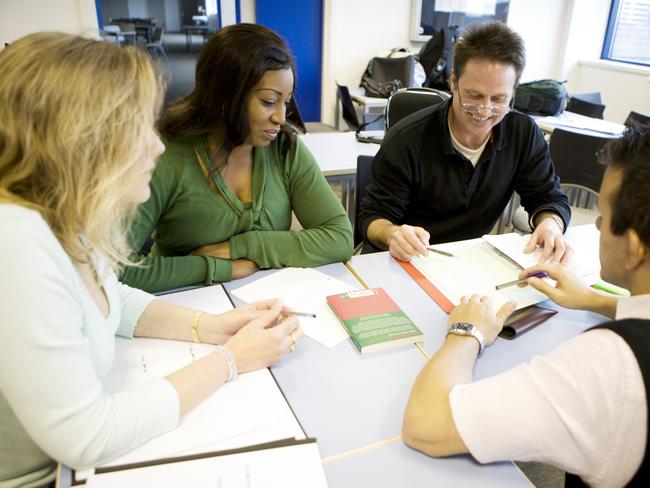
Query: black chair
409,100
363,179
586,103
591,97
294,118
637,119
575,157
156,48
349,113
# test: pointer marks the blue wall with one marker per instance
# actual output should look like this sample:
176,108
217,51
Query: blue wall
300,22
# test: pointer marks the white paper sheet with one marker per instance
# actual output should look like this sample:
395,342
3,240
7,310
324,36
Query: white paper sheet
210,299
295,466
248,411
304,290
583,238
475,269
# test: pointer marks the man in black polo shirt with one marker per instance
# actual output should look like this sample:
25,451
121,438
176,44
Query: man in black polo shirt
583,406
447,173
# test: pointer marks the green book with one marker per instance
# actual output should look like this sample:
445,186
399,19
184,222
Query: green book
373,319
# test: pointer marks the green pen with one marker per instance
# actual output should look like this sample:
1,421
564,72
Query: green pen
612,289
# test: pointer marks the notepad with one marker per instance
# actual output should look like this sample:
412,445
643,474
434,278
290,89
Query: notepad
294,465
475,268
303,289
248,411
584,239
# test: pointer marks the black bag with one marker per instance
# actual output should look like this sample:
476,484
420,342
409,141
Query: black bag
384,76
546,97
436,58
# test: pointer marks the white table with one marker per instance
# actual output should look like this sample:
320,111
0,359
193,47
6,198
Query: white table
336,154
579,123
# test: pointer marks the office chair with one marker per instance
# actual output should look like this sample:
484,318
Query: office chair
363,179
637,119
156,48
409,100
347,107
586,103
575,159
294,118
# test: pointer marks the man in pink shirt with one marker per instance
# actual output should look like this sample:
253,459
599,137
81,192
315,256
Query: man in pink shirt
583,406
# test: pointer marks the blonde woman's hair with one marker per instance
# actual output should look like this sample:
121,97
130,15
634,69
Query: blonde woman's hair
75,117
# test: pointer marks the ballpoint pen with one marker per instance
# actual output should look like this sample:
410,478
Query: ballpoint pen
523,281
444,253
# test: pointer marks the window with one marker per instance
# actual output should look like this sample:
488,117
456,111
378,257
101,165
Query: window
628,32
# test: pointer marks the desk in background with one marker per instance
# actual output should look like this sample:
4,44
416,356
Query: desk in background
579,123
372,108
336,154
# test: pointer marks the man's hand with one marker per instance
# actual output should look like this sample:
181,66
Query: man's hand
406,241
478,311
548,236
220,250
570,291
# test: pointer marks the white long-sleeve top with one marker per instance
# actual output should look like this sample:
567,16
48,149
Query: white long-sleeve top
55,348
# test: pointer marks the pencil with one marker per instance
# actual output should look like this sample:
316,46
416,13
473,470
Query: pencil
522,281
301,314
444,253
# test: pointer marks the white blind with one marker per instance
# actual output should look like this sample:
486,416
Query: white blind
631,38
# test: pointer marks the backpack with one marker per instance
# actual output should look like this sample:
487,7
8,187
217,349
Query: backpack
436,57
546,97
385,75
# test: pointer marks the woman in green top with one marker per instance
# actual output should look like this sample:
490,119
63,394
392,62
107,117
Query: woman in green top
232,172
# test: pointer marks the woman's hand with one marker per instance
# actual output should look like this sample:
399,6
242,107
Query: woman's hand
218,329
478,311
220,250
265,340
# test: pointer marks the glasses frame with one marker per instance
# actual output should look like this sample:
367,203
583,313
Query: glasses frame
476,108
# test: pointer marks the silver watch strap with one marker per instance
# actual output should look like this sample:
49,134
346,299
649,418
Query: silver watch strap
470,330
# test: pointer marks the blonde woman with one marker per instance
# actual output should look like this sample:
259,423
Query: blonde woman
77,149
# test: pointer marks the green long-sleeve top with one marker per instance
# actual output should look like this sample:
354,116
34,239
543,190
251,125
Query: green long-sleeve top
184,213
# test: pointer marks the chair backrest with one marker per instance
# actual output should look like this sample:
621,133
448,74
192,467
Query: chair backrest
363,179
349,113
156,38
582,107
294,117
591,97
112,28
575,158
635,118
409,100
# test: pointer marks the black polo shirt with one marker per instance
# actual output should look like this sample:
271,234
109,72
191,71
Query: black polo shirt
420,179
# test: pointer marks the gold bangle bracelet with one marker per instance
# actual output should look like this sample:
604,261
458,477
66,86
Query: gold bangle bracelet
195,326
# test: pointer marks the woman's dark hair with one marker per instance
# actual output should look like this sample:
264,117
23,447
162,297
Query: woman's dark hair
631,201
232,62
494,41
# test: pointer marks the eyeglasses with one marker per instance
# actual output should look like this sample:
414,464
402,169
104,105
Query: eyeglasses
492,109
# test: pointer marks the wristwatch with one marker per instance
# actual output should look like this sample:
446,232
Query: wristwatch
465,329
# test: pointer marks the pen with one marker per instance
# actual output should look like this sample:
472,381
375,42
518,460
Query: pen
301,314
444,253
537,274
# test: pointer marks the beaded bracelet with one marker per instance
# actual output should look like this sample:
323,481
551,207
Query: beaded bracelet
230,361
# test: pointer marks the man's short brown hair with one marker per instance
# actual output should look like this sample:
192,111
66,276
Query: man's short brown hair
493,41
631,201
